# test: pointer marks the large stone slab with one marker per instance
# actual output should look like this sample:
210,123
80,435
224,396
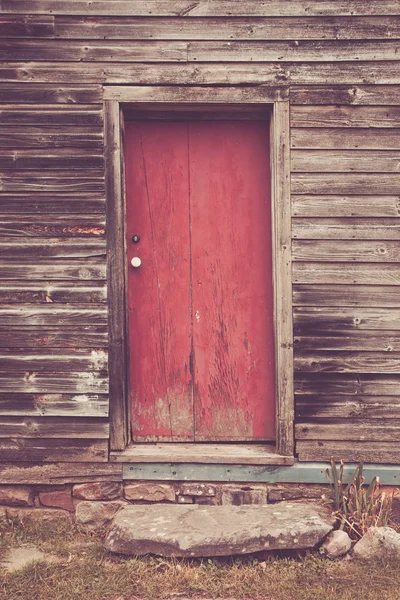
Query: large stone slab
196,530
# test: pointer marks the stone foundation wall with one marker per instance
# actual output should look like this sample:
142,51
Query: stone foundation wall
94,504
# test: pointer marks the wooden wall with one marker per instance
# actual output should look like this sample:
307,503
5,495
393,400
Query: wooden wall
341,62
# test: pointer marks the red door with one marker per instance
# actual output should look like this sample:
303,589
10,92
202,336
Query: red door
200,307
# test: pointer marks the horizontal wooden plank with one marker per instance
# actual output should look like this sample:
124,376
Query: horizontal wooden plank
222,28
61,360
379,296
347,362
16,137
345,206
382,72
85,115
357,430
345,183
348,384
333,340
54,383
53,427
15,248
80,269
98,51
336,273
46,226
331,161
15,93
58,472
186,8
26,26
343,407
270,51
346,229
311,319
44,292
382,95
73,405
48,450
342,138
361,251
87,336
52,314
366,452
244,454
189,95
90,180
345,116
54,203
61,159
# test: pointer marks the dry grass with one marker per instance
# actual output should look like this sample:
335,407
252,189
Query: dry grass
86,571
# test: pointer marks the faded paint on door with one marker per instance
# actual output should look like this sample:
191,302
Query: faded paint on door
200,306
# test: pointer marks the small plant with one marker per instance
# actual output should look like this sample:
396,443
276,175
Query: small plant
357,506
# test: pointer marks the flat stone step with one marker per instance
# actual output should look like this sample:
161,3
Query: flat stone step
198,530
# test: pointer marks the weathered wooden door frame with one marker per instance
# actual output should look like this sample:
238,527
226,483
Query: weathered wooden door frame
117,99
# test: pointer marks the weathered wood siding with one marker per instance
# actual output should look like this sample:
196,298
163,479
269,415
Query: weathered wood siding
340,60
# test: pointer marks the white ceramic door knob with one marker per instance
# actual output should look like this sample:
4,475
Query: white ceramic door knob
136,262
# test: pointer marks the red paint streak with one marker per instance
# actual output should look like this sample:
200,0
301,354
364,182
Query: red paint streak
198,194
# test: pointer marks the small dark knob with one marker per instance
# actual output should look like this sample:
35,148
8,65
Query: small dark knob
135,238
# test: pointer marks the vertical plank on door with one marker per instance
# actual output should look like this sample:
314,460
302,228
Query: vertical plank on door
159,312
234,394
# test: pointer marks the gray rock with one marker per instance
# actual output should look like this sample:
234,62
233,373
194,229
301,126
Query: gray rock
197,530
378,542
96,515
336,544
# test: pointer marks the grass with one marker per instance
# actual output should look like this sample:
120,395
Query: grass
85,571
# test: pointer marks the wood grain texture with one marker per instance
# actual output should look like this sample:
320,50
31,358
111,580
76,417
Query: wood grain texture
78,115
33,337
38,137
345,183
89,248
347,362
348,384
360,251
52,314
45,450
347,229
331,161
343,407
68,405
357,430
30,382
346,94
346,295
345,116
53,427
186,8
61,159
52,203
58,472
345,139
358,318
345,206
26,26
333,340
62,360
43,226
44,292
207,96
15,93
47,181
365,451
75,269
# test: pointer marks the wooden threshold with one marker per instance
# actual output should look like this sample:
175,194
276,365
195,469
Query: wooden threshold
229,454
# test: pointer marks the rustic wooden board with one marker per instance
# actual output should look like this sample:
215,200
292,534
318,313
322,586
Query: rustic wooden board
54,383
233,329
86,336
347,229
347,407
54,203
47,270
59,472
356,430
89,180
346,295
206,96
243,454
333,340
382,95
343,138
45,115
47,450
331,161
345,183
345,206
89,248
67,405
329,384
312,318
53,427
223,28
62,360
26,26
46,226
379,251
59,159
16,93
52,314
185,8
43,292
334,273
352,73
347,362
39,136
367,452
345,116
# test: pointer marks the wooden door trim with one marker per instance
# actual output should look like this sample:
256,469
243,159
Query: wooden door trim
178,98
